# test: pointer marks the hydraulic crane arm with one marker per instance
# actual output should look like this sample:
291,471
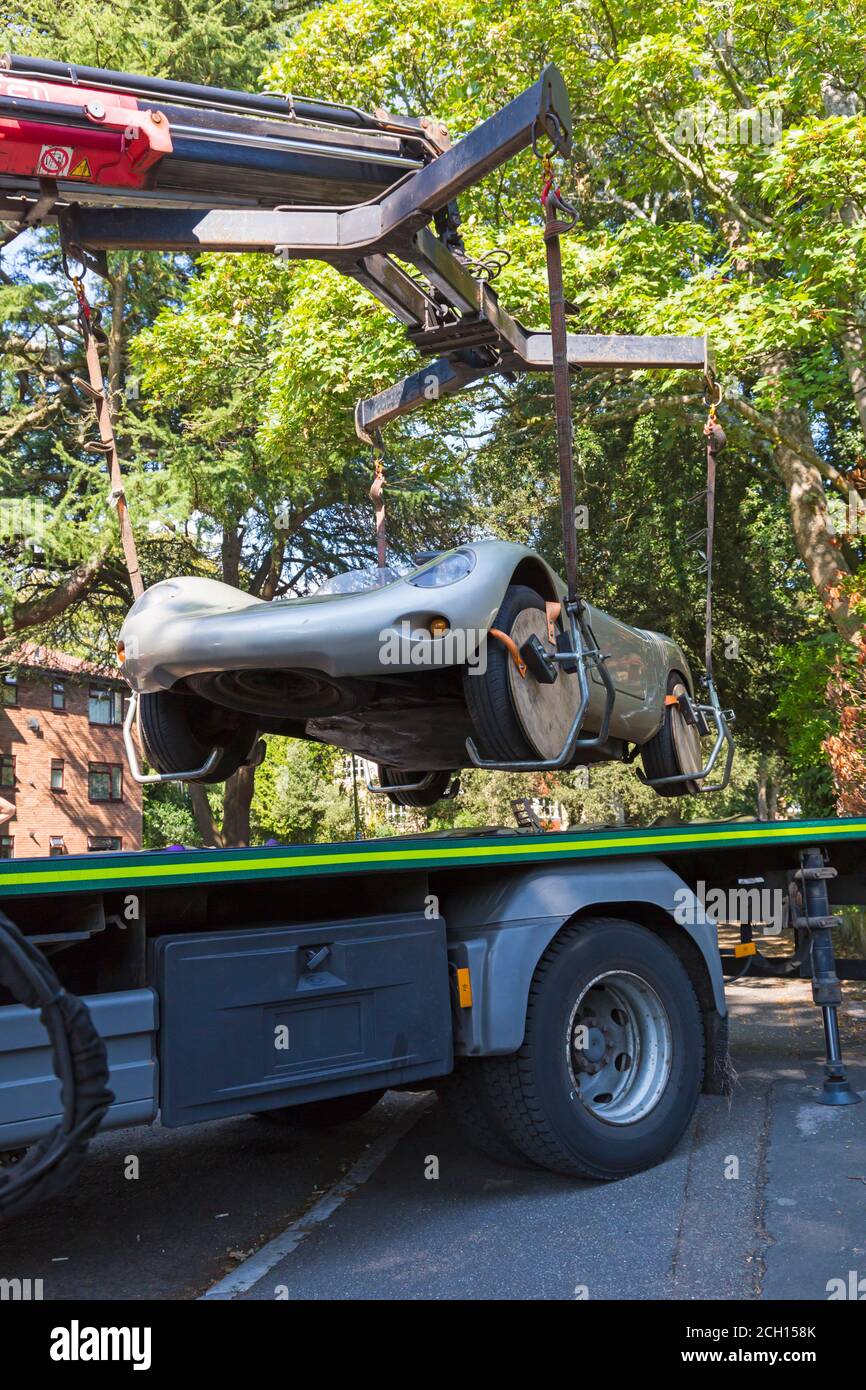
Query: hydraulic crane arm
126,161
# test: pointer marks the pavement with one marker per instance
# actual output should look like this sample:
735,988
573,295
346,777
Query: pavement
764,1198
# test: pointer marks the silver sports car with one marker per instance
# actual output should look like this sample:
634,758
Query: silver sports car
448,665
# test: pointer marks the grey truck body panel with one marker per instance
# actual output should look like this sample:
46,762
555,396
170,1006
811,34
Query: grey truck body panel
362,1001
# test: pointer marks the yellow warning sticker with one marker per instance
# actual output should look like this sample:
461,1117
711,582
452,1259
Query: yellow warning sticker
81,170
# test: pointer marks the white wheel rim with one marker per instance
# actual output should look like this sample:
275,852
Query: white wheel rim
619,1048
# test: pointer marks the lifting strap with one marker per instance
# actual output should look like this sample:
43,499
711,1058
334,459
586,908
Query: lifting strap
377,497
554,227
88,322
716,440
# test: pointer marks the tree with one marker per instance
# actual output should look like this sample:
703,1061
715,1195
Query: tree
300,794
69,578
721,185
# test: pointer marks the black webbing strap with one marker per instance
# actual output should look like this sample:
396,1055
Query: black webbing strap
554,227
716,440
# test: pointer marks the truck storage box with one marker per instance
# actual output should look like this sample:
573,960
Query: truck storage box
29,1090
260,1017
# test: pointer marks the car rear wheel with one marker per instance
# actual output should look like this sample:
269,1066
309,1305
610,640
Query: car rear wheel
676,748
178,731
426,796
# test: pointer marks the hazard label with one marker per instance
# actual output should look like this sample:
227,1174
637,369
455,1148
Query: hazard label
54,161
81,170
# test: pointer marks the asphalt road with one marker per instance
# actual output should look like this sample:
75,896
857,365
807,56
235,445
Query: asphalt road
764,1198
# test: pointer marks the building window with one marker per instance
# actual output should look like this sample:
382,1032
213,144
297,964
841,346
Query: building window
9,689
105,782
105,705
58,694
7,847
57,774
7,770
102,844
56,846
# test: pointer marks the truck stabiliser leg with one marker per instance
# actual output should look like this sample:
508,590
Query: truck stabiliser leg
817,919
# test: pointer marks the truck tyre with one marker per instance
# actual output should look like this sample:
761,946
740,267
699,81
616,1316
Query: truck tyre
323,1114
468,1105
612,1061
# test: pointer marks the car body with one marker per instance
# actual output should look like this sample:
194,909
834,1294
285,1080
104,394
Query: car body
364,670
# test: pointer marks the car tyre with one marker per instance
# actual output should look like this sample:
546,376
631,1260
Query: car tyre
179,730
662,756
488,695
428,796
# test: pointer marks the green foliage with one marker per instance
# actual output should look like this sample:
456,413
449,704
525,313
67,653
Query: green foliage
168,817
298,797
242,459
802,711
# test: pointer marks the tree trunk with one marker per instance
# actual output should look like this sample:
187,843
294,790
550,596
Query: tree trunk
854,354
814,534
207,827
237,799
763,789
231,552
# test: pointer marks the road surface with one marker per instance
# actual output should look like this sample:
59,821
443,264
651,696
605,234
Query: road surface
764,1198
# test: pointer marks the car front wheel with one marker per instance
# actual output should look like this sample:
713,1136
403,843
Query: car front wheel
179,730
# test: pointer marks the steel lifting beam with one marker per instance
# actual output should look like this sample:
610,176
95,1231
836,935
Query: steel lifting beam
386,223
446,376
453,316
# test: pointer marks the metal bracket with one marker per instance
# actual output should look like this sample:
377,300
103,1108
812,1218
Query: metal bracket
147,778
583,652
722,719
377,790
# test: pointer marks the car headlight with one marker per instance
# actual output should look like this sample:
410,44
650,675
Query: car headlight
451,568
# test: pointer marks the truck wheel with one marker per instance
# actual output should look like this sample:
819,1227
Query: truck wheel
467,1103
178,731
395,776
612,1061
323,1114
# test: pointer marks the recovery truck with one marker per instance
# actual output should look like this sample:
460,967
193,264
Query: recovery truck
302,981
567,989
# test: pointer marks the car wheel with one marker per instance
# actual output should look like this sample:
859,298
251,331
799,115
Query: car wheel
498,732
675,749
428,796
612,1061
179,730
323,1114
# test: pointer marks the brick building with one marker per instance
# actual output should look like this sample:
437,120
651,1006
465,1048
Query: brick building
61,757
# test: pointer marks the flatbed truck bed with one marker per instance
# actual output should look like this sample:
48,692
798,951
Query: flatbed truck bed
564,989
